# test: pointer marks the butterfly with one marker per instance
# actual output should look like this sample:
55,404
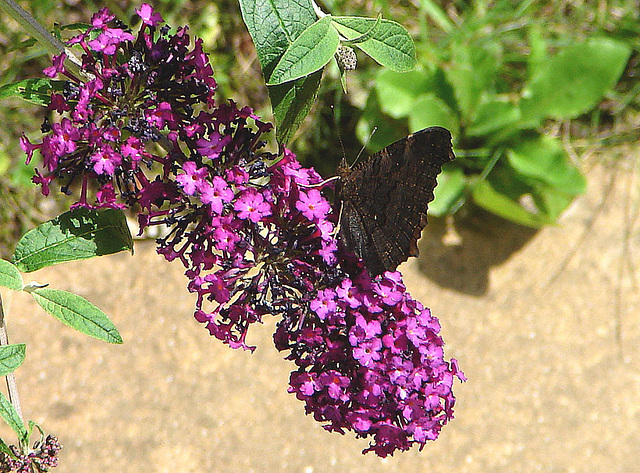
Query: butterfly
383,200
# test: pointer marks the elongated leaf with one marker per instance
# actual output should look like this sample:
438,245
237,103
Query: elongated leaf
390,44
544,159
291,103
397,91
10,276
78,313
487,197
573,81
437,14
78,234
11,356
367,34
553,201
5,448
473,70
37,91
11,417
310,52
273,26
494,115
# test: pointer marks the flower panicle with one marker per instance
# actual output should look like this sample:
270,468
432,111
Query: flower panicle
253,229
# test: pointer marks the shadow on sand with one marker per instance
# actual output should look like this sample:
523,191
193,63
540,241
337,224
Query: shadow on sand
460,259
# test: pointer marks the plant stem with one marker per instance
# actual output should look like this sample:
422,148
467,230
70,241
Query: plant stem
39,33
11,378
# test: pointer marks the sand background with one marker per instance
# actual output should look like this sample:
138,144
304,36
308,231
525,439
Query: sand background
545,325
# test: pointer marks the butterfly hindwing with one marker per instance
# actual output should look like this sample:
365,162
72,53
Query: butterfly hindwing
384,199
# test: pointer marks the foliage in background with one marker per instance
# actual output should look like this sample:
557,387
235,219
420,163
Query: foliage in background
495,79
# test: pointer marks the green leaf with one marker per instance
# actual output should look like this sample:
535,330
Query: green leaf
10,276
291,103
472,71
448,192
429,110
78,234
78,313
366,35
387,130
485,196
4,448
308,53
494,115
11,356
274,25
390,44
37,91
537,49
543,158
11,417
441,87
552,201
398,91
573,81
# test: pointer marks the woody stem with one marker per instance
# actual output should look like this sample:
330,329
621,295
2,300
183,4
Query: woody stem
11,379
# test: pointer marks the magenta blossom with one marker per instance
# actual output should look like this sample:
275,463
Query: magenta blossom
251,205
193,177
313,205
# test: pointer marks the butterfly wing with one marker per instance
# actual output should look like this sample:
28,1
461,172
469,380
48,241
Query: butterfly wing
384,199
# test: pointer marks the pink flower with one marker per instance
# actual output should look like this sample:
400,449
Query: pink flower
160,114
212,146
335,384
313,205
216,194
348,293
324,303
58,66
105,161
28,147
148,15
251,205
225,239
192,178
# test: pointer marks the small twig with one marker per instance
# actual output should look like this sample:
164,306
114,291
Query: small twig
11,378
630,216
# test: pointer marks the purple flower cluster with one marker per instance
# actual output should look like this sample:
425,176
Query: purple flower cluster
371,361
43,457
252,228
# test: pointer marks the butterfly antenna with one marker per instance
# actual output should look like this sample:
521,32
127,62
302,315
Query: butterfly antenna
366,143
337,128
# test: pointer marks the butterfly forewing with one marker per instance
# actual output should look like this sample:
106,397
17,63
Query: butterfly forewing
384,199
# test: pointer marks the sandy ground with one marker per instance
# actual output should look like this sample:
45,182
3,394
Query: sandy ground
544,324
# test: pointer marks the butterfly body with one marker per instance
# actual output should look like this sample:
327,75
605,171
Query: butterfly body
384,199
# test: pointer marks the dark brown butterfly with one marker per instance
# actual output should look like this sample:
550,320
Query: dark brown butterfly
384,199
